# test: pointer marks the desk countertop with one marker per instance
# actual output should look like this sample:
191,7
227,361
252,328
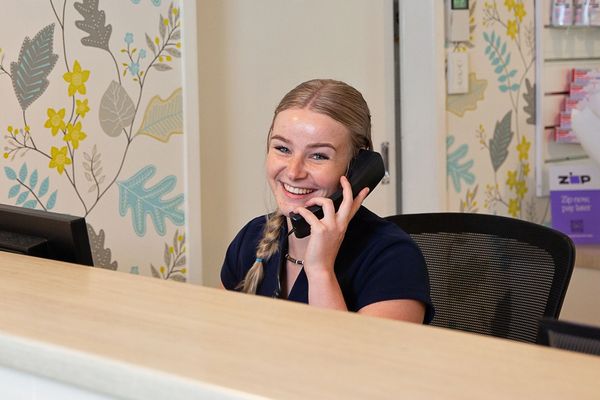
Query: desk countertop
140,337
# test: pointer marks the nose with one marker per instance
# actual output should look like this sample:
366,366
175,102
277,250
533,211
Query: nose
296,168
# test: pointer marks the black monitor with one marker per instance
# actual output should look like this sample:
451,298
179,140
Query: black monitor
44,234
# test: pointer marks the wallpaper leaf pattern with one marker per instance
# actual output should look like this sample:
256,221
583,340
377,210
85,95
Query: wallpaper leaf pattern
25,187
36,61
116,110
93,24
503,52
163,118
499,143
529,97
459,104
456,170
142,200
84,169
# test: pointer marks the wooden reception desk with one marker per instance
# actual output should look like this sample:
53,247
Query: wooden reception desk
142,338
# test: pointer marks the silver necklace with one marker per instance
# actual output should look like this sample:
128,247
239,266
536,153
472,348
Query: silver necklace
293,260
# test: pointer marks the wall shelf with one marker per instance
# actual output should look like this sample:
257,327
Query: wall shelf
558,50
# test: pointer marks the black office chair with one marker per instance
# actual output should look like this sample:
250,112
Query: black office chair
569,336
489,274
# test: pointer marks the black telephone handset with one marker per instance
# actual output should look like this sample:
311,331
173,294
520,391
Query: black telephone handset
366,170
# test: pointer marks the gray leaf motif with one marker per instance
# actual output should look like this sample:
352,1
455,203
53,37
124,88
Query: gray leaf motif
499,143
101,255
36,61
116,110
93,24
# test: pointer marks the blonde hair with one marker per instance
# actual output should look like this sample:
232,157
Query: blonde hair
344,104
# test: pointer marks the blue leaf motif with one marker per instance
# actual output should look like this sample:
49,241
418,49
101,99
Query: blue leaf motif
456,170
503,88
14,191
515,87
10,173
51,201
22,197
23,173
142,201
44,187
33,179
30,203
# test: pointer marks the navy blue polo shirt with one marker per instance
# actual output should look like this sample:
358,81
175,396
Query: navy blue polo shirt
377,261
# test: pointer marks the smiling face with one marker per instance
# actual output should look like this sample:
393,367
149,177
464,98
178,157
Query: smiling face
308,152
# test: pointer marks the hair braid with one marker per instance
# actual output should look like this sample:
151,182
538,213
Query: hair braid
268,245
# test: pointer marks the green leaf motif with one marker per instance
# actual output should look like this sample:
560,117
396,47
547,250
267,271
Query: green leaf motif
529,97
148,201
163,118
498,145
456,170
116,110
30,73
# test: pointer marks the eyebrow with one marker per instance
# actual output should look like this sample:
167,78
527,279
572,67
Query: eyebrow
312,145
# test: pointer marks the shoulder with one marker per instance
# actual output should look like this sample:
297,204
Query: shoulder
368,228
240,251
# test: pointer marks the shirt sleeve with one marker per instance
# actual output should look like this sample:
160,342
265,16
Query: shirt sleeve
398,271
231,273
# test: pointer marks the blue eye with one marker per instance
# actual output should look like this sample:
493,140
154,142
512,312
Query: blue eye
282,149
320,156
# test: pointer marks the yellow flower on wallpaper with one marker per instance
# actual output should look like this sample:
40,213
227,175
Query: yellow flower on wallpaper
523,149
514,207
56,120
82,107
521,189
74,134
76,79
59,159
511,181
512,28
526,169
510,4
520,11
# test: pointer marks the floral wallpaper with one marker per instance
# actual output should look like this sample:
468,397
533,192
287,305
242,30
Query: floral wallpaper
491,129
91,123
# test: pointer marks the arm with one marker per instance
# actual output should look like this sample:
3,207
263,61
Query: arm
402,310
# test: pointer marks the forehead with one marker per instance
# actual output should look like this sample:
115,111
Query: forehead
309,124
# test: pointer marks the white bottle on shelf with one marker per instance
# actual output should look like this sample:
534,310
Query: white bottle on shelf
562,12
581,12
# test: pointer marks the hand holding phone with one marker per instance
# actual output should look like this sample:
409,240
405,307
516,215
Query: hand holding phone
366,170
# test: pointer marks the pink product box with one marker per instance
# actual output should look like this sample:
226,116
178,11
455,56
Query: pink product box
585,73
565,136
564,120
569,104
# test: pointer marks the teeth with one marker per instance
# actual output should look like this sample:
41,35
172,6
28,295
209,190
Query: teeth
296,190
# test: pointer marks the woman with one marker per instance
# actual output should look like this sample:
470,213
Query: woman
352,260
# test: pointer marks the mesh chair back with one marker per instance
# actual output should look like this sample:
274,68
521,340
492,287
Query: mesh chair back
489,274
569,336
